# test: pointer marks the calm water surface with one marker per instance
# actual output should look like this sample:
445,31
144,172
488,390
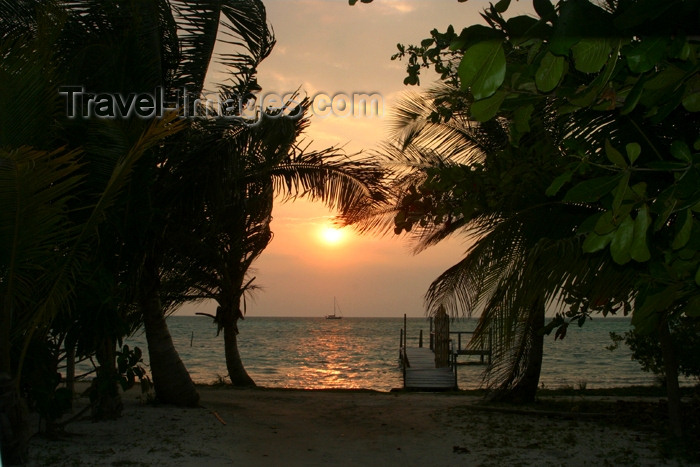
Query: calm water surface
316,353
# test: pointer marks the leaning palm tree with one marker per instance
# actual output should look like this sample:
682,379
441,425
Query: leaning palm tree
463,177
241,170
49,213
120,48
197,25
166,44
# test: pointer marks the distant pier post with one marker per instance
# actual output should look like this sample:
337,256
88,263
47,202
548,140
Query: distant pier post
432,335
442,339
405,330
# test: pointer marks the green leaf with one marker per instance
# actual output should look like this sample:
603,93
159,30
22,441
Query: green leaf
633,151
621,242
691,95
646,317
644,56
639,12
588,225
621,191
683,234
559,182
544,8
639,190
634,96
692,310
550,72
485,109
585,97
697,276
595,242
592,190
591,54
614,155
458,44
576,19
502,6
639,249
483,68
691,101
522,28
667,79
606,224
681,151
522,116
664,205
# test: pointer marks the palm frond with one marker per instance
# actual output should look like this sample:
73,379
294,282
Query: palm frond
198,26
241,24
36,188
246,28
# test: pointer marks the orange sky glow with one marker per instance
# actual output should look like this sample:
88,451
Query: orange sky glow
326,46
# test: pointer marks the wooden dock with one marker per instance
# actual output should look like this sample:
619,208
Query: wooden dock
418,363
420,372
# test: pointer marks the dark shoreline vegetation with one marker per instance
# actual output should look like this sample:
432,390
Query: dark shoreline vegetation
562,145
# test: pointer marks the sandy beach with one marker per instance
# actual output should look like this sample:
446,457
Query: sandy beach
345,428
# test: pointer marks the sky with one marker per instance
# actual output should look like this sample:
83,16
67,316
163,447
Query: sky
328,47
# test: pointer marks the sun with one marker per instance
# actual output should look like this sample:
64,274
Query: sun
332,236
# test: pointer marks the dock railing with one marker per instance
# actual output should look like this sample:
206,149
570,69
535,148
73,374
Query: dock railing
483,351
409,346
462,344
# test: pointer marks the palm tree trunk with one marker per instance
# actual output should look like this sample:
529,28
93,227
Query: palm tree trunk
525,388
14,416
105,398
14,425
238,374
672,388
171,380
70,366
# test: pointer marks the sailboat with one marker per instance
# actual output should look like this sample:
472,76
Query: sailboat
335,307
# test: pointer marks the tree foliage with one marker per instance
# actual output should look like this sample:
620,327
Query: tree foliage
621,78
647,351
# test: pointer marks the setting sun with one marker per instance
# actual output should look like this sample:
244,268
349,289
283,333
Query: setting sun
332,236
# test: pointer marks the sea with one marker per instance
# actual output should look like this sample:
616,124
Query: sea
363,353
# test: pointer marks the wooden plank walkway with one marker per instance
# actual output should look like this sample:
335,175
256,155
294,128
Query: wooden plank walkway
422,374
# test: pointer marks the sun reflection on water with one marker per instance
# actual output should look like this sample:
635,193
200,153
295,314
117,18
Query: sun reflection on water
315,353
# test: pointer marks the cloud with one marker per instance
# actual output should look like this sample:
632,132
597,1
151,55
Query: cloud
402,7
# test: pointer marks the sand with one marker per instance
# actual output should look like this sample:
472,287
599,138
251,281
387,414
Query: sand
347,428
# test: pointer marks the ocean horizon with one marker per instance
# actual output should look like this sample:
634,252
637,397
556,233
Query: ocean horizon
363,353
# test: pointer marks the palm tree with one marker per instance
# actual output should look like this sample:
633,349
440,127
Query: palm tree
240,170
187,33
49,214
120,48
463,177
243,26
